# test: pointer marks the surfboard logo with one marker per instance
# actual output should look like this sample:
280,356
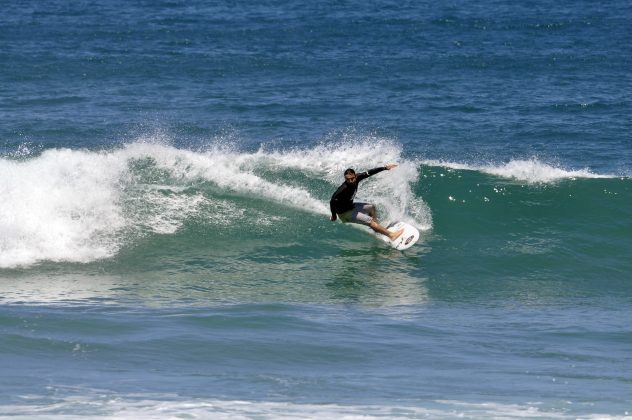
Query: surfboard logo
410,238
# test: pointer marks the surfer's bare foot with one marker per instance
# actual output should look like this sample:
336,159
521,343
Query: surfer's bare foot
395,235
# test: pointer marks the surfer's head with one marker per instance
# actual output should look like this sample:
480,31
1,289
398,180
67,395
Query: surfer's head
350,176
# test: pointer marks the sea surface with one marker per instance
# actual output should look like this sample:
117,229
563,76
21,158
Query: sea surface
165,243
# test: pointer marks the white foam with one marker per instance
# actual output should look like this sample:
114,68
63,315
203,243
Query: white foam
528,170
225,169
172,407
331,159
165,213
61,206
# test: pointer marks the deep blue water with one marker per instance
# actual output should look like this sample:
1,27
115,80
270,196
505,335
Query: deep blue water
165,172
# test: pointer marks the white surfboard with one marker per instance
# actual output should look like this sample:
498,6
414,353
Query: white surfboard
406,239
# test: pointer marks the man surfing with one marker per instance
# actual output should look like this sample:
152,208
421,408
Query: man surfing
342,204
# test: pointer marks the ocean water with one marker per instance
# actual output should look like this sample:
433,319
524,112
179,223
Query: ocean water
165,243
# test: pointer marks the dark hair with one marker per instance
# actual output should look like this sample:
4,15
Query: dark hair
349,172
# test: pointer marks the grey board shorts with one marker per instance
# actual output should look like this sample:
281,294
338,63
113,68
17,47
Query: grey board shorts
359,214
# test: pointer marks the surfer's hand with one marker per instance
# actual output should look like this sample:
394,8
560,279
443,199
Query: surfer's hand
390,166
333,218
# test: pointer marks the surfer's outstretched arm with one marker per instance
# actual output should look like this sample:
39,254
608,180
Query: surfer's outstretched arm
371,172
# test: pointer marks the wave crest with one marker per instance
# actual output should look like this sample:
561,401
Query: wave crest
528,170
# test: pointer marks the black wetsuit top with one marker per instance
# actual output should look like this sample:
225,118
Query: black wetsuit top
342,200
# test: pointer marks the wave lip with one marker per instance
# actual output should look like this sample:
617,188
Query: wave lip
531,170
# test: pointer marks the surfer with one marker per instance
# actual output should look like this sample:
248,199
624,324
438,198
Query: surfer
342,204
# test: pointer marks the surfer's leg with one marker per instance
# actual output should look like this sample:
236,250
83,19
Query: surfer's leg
355,216
381,229
373,212
365,214
367,208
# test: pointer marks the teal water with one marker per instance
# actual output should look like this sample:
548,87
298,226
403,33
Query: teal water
165,243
